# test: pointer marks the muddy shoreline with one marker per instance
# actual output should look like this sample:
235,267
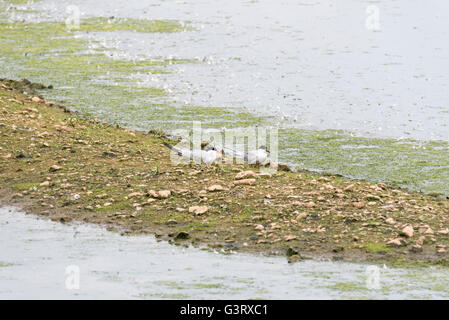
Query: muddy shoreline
60,165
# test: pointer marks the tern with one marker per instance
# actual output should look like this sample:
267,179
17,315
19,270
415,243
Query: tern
208,155
259,156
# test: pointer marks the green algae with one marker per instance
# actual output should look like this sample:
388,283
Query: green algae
416,165
98,86
376,247
102,24
25,186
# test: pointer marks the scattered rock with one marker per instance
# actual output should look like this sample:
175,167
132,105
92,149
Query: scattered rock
371,197
288,238
245,182
36,99
164,193
153,194
359,204
198,210
407,232
245,175
182,236
55,168
349,188
390,221
160,194
216,187
301,215
134,194
421,240
45,184
396,242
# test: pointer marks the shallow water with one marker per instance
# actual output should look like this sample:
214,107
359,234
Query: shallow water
35,252
315,62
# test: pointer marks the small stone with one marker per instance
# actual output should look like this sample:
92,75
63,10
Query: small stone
309,204
55,168
428,231
301,215
36,99
245,182
395,242
441,250
390,221
164,193
182,236
216,187
45,184
153,194
407,232
359,204
198,210
288,238
134,194
421,240
180,209
259,227
443,231
349,188
416,248
245,175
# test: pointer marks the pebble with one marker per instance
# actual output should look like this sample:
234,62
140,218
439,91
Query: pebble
407,232
245,175
216,187
197,210
396,242
245,182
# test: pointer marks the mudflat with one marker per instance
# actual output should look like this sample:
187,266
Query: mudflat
70,168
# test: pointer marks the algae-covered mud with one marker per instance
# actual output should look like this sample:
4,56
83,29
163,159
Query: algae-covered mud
36,254
348,100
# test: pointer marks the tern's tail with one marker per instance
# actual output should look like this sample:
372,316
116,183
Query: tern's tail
172,148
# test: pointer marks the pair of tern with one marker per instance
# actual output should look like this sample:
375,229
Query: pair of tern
212,155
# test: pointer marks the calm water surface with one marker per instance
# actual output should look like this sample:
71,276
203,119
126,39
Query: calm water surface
34,255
